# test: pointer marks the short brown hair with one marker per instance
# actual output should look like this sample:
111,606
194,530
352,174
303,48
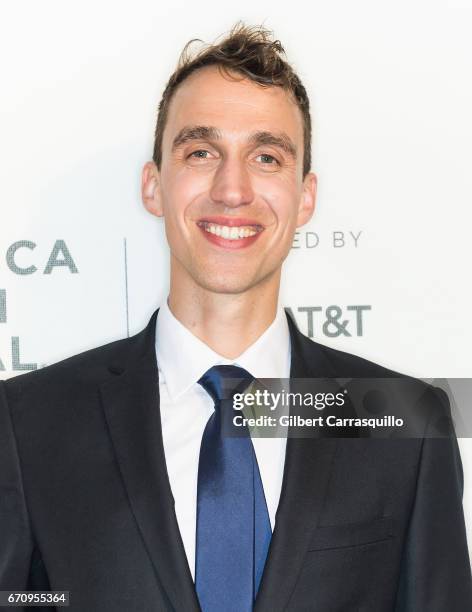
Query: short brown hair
252,52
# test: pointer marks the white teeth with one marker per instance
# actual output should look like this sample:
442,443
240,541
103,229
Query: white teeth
229,233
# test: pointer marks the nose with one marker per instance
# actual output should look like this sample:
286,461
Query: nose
232,184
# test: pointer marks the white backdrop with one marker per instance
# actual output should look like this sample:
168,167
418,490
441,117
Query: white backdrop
391,94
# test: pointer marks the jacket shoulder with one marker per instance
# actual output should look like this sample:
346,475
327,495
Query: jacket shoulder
90,367
348,365
358,366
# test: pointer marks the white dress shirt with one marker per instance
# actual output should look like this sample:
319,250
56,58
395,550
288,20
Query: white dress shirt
185,407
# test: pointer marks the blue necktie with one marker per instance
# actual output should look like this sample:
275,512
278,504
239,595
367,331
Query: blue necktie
233,526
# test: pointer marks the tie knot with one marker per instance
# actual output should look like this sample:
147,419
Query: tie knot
223,381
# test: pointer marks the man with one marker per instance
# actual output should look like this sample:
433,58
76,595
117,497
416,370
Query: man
116,482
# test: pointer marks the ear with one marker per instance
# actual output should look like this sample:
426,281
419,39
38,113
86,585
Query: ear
306,207
150,189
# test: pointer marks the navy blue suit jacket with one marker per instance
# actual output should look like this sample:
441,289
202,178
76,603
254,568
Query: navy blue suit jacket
365,525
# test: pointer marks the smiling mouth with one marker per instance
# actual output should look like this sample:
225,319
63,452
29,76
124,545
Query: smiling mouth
234,232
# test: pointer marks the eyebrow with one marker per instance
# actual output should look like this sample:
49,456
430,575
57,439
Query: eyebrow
280,139
195,132
259,138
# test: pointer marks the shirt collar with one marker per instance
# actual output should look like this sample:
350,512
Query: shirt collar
183,358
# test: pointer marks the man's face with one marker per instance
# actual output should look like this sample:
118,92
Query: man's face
230,186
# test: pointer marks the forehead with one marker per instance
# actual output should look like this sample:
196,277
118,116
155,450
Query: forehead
235,107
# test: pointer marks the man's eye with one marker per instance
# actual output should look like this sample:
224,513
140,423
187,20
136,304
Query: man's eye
200,154
267,159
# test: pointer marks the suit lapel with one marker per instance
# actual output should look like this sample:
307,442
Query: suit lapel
131,406
308,464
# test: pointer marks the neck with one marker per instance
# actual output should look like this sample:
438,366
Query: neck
227,322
